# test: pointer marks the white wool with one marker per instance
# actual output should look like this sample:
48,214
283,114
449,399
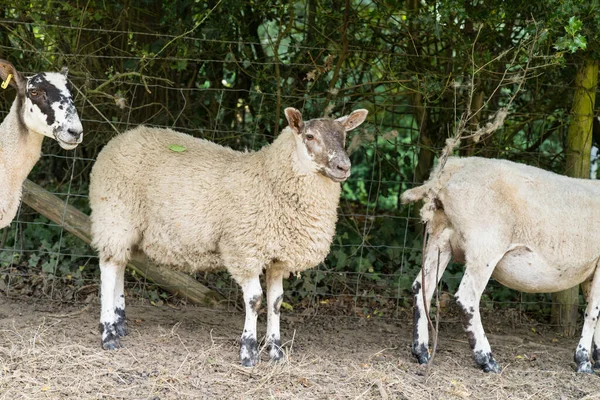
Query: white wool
530,229
20,149
512,203
209,206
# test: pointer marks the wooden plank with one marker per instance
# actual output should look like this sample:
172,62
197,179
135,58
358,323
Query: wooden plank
78,224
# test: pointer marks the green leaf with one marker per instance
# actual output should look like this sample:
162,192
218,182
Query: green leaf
177,148
48,267
580,41
574,40
574,26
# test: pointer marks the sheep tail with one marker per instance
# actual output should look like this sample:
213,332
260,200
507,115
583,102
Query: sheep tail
415,194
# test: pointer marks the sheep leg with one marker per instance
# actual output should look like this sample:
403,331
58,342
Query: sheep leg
109,272
586,287
475,279
274,299
437,255
596,344
120,320
590,327
252,299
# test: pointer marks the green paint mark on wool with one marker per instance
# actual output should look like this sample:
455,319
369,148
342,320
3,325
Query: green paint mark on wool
177,148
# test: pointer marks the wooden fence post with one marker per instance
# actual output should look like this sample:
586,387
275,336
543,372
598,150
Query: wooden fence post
579,144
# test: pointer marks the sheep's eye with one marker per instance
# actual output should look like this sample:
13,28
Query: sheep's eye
34,93
309,137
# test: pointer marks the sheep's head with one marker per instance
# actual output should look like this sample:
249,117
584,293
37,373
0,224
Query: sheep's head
323,140
46,104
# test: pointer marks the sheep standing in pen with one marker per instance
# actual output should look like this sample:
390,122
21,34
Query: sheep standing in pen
210,207
43,107
532,230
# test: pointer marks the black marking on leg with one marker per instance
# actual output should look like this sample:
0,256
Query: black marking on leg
277,304
110,339
596,355
419,350
275,344
466,321
275,349
248,351
582,358
416,319
581,355
121,323
255,303
416,287
484,360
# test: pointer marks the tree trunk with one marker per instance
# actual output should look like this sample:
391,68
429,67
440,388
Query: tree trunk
579,142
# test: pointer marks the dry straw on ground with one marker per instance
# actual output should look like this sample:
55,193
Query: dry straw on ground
191,353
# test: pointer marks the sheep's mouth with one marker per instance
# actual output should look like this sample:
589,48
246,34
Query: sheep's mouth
336,176
68,144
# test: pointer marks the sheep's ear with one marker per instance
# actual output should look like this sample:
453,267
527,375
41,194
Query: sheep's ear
64,71
354,119
294,118
6,69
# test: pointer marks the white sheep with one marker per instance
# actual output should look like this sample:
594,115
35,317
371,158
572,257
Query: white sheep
43,107
209,207
530,229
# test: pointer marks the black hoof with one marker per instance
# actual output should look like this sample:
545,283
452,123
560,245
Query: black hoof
421,353
585,367
596,364
110,339
249,352
275,351
121,322
486,361
111,344
249,362
277,357
491,366
121,328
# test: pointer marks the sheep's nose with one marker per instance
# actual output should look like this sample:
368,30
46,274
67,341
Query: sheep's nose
76,133
343,166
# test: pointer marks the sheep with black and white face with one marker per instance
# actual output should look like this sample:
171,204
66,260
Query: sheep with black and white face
43,107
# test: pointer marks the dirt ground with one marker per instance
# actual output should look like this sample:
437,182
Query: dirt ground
192,353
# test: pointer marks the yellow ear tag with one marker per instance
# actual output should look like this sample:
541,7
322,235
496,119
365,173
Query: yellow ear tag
6,82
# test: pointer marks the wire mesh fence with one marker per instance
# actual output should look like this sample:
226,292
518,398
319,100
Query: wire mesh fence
233,92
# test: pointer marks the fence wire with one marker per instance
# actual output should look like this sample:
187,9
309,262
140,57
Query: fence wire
377,251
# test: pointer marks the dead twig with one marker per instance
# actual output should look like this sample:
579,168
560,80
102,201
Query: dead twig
73,314
121,75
